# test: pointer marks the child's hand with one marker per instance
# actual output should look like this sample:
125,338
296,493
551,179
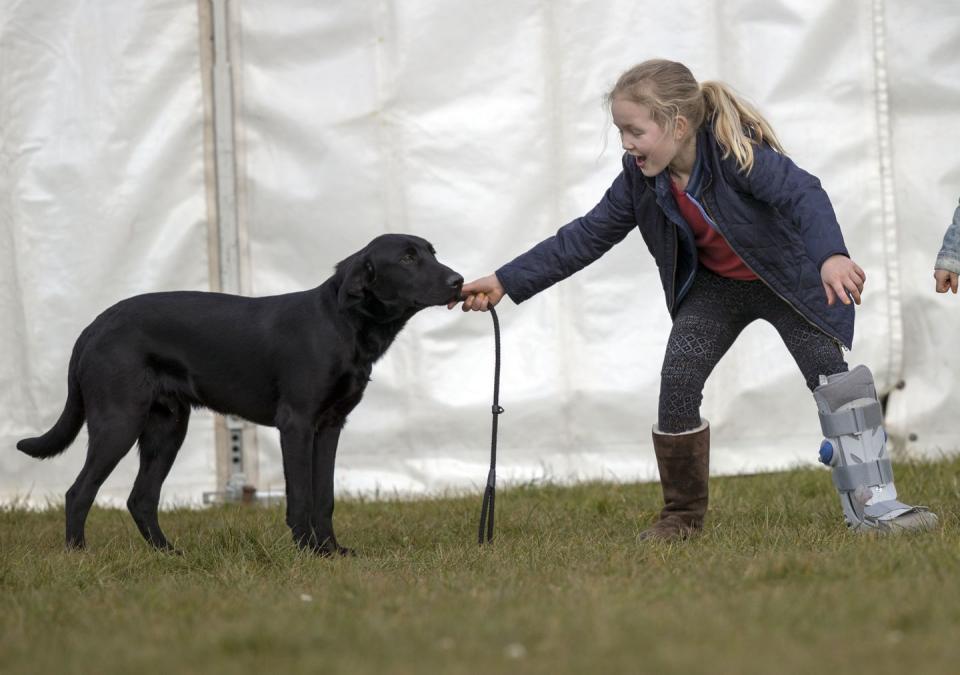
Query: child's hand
481,294
842,278
946,280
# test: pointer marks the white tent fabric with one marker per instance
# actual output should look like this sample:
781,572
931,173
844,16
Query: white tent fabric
924,68
479,127
103,196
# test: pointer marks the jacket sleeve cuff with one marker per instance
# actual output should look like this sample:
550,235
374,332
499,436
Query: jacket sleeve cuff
829,255
510,286
947,262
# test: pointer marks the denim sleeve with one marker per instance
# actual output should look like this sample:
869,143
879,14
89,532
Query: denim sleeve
574,246
798,195
949,256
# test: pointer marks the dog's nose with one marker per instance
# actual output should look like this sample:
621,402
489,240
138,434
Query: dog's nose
455,281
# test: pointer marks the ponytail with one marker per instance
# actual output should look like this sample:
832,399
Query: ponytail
736,124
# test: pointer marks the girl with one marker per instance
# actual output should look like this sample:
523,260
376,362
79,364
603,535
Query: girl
947,267
739,233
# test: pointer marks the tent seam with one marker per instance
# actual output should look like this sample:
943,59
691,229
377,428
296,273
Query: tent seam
895,356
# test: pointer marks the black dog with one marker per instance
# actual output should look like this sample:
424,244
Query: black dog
299,362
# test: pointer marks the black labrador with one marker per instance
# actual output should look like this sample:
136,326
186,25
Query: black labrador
299,362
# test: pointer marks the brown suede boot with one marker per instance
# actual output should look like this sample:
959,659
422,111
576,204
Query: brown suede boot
684,462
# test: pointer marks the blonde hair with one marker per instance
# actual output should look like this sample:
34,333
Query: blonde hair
669,90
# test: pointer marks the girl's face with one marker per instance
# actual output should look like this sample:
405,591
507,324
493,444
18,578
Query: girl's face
652,146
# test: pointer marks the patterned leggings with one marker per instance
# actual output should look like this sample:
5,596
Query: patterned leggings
711,316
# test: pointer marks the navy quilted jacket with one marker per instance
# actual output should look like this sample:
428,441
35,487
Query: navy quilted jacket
777,219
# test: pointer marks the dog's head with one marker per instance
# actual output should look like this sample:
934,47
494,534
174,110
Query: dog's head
394,276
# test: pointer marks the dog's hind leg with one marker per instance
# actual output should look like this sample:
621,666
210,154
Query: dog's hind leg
111,437
160,442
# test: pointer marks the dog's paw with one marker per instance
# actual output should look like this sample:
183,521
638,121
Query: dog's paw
170,549
332,549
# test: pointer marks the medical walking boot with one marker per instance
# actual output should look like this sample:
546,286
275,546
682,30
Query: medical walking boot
684,462
855,449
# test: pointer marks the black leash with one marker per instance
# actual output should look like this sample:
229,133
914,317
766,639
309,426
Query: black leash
489,495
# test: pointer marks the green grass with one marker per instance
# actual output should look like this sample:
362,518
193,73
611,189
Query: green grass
775,585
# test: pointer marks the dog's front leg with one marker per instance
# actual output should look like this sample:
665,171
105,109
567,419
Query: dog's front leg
324,458
296,445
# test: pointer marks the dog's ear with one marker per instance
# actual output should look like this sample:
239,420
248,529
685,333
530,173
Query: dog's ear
356,274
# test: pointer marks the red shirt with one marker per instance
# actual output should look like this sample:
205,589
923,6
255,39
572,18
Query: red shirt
714,252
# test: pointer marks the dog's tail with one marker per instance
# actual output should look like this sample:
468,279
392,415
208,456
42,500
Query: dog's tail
68,426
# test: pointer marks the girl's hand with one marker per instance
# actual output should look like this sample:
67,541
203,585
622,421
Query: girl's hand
480,295
842,278
946,280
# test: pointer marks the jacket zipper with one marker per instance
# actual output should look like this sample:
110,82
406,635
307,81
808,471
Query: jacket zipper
673,282
789,304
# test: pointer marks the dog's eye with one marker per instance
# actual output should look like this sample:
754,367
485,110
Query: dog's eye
408,259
